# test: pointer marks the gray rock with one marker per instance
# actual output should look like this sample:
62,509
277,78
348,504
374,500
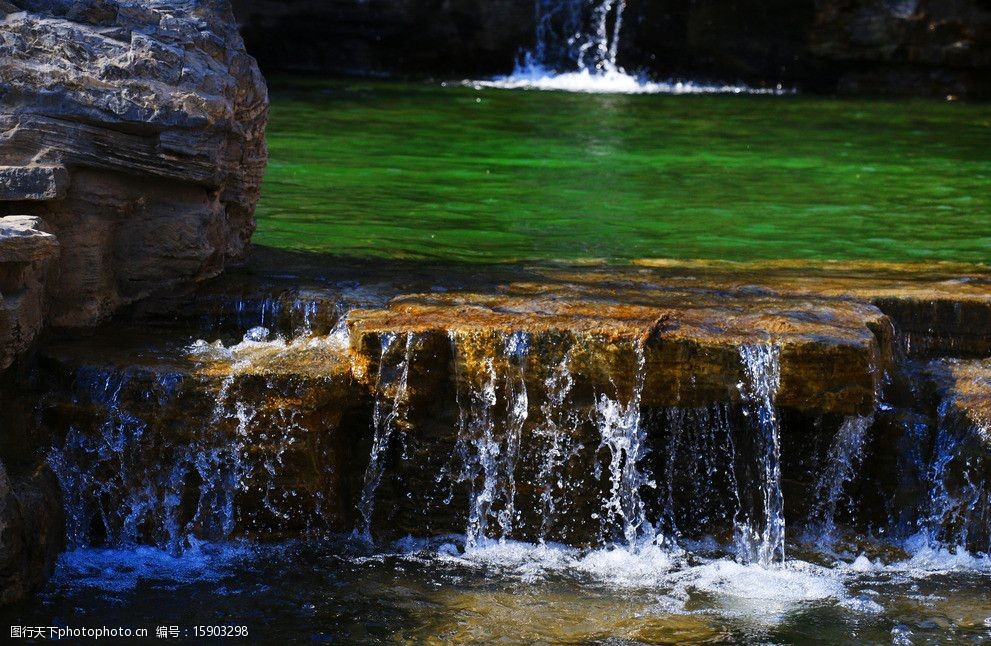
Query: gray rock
35,183
135,131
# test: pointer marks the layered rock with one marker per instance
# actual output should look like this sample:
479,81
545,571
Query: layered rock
135,131
26,254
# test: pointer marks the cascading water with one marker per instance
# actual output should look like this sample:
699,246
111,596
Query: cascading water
760,523
488,451
958,511
388,415
575,35
576,49
701,490
169,458
841,464
557,438
625,444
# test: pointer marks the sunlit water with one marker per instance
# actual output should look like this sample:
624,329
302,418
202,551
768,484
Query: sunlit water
391,169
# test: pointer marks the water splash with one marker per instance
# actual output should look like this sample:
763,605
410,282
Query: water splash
556,433
958,512
624,439
488,448
699,472
576,47
760,527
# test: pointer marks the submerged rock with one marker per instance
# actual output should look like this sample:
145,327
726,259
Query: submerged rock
135,131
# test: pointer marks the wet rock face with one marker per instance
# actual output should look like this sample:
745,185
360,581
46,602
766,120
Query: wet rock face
906,46
548,402
31,532
135,131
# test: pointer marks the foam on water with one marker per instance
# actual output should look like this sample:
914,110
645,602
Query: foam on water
751,591
612,82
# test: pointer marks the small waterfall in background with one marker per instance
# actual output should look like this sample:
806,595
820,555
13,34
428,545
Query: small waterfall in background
575,35
576,48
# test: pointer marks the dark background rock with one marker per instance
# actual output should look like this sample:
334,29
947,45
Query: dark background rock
396,37
919,47
32,531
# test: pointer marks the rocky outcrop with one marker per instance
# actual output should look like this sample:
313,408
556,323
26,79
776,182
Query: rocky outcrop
131,155
135,132
26,254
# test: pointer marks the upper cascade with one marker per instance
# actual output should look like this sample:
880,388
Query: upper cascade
576,35
576,49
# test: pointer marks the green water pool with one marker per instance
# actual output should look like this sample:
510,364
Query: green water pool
444,171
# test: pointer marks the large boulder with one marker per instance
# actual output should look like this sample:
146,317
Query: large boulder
135,131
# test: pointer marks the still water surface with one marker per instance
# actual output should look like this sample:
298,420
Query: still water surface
390,169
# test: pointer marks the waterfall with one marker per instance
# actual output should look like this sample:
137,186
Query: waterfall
576,49
958,511
557,433
575,36
167,458
389,414
489,378
842,461
699,474
624,439
760,527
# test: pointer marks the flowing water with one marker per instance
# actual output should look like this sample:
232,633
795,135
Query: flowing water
687,508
